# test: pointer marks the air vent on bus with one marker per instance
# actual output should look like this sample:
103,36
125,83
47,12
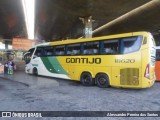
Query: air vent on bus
129,76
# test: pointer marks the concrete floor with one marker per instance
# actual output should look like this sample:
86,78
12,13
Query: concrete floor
23,92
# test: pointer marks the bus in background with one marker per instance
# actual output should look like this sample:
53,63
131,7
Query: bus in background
123,60
157,66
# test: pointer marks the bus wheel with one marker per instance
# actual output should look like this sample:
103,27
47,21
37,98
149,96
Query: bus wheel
102,80
86,79
35,71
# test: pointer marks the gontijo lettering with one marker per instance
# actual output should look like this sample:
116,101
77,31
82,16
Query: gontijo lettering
84,60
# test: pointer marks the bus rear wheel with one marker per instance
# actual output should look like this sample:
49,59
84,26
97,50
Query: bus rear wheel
86,79
102,80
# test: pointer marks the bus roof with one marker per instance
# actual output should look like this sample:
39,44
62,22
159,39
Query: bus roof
69,41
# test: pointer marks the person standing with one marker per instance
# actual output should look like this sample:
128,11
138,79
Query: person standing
9,67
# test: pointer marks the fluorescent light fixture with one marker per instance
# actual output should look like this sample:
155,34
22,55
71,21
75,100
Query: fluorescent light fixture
29,12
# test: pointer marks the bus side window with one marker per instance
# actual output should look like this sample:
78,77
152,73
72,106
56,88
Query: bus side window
110,47
145,41
60,50
91,48
48,51
73,49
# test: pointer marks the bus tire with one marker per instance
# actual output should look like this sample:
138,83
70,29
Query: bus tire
35,71
102,80
86,79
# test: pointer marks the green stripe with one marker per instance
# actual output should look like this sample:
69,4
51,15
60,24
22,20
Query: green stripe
48,65
53,65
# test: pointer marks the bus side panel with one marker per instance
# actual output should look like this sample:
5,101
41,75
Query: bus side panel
146,82
75,71
148,56
79,69
50,66
74,68
103,69
145,62
157,70
115,76
126,70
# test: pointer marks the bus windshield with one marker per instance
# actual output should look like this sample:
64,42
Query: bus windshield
27,56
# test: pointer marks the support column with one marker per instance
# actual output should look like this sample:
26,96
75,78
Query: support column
6,45
87,21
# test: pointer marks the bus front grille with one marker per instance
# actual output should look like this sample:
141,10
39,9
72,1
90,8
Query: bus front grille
129,76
